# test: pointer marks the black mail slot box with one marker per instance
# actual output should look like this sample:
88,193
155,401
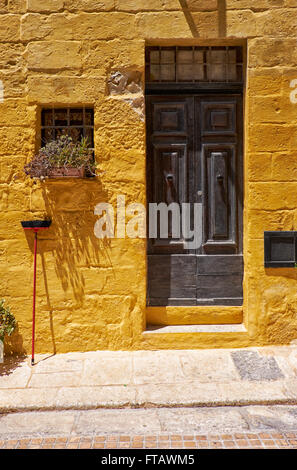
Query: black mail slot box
280,249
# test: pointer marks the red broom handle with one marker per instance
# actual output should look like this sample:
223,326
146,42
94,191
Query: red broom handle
34,297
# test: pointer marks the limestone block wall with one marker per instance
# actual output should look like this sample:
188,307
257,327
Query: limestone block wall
91,292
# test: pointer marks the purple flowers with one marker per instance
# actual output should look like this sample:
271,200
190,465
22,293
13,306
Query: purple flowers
61,153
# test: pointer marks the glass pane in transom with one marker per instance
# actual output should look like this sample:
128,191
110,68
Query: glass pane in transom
167,72
167,56
185,56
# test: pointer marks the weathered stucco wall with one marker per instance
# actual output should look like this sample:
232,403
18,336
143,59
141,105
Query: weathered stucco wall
91,293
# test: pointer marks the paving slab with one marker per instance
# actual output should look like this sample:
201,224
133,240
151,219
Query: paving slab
190,394
19,379
54,380
27,399
270,417
117,423
157,367
37,423
290,387
107,371
58,363
199,420
245,393
94,397
252,366
215,368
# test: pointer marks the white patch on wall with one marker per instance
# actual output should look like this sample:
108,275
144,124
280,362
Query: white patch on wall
293,94
127,86
137,104
1,92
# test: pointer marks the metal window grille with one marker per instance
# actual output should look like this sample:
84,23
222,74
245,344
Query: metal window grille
75,122
194,64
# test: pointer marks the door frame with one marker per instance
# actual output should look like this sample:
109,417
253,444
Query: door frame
202,89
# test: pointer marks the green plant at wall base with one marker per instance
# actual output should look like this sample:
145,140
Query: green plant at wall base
61,153
7,321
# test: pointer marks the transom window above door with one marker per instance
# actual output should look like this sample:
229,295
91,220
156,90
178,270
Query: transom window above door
194,64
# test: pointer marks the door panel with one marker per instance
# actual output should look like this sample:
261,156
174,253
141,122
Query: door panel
219,197
164,274
195,155
219,279
170,117
170,185
219,264
218,207
218,117
170,162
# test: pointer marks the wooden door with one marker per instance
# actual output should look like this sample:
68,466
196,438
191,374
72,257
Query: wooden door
195,156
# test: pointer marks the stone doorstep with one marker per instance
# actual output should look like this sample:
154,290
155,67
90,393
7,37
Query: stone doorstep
202,336
230,328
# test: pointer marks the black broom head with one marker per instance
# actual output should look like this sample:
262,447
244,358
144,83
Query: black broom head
36,223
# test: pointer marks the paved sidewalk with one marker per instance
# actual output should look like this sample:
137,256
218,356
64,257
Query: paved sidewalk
273,426
104,379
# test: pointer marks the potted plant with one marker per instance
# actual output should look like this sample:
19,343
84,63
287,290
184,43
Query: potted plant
7,325
62,158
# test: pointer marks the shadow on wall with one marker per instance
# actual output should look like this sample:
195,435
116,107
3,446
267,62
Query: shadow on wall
71,241
221,18
74,244
290,273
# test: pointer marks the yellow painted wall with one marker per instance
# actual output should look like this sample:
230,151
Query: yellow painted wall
91,293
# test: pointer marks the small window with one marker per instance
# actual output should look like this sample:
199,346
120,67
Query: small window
280,249
194,64
75,122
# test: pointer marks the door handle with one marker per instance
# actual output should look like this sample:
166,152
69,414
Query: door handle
169,178
170,189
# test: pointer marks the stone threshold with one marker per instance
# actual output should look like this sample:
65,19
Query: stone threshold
230,328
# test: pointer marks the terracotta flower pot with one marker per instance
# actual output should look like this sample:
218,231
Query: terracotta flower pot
66,172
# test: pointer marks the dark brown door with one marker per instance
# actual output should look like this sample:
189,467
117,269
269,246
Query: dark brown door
195,156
